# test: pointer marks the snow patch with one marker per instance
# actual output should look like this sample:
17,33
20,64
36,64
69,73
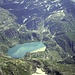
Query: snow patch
45,1
48,7
73,0
22,2
49,16
39,72
36,1
16,2
55,1
24,20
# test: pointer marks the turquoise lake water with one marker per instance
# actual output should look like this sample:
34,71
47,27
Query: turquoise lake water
20,50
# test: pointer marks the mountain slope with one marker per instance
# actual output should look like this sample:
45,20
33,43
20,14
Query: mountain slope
9,66
49,21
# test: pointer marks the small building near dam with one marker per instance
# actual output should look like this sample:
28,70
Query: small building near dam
20,50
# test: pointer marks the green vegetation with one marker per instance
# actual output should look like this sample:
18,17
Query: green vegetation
11,66
64,35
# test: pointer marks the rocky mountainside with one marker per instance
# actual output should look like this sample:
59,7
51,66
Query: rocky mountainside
49,21
13,33
9,66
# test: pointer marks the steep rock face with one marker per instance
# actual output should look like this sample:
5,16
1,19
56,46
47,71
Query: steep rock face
6,24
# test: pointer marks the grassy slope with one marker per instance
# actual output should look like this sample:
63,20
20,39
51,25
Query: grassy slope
11,66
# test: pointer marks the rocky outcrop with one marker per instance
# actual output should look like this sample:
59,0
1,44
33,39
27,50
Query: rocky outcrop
9,66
